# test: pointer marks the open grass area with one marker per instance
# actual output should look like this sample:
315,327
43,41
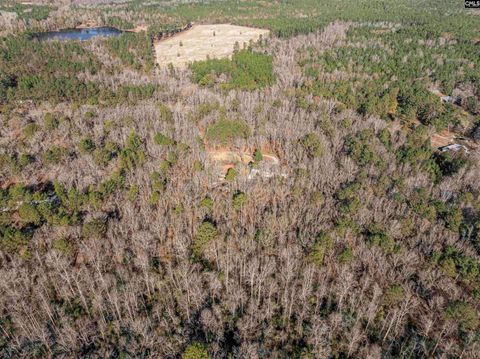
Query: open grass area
205,41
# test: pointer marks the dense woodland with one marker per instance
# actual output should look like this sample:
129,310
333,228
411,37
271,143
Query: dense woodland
117,241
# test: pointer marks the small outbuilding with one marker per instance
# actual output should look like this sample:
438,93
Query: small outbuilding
454,147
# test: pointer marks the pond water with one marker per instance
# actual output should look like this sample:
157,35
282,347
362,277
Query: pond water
78,34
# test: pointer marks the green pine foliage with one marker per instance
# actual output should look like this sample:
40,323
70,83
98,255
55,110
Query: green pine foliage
238,200
312,144
162,140
206,233
195,351
322,246
225,131
247,70
28,11
463,314
231,174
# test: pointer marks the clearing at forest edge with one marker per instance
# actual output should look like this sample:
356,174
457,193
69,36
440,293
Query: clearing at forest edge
202,41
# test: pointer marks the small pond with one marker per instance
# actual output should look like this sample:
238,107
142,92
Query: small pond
78,34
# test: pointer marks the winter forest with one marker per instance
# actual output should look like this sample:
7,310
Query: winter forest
314,194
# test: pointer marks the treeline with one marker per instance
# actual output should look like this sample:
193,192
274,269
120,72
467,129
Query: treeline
28,11
284,18
45,70
52,71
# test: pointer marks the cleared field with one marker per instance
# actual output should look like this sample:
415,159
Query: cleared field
202,41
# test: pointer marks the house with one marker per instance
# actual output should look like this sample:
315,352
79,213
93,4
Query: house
451,99
454,147
447,99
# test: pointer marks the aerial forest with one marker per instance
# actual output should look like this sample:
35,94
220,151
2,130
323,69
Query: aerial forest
314,195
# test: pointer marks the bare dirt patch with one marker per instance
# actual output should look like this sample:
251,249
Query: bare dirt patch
222,160
202,41
446,137
442,139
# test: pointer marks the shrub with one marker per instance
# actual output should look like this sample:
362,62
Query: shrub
86,145
394,295
257,155
163,140
178,209
29,214
111,184
239,199
207,203
30,129
205,234
54,155
385,138
63,245
225,131
12,239
51,122
89,115
132,193
317,198
464,314
195,351
231,174
322,245
197,166
472,105
158,182
74,308
449,164
448,267
383,241
165,165
25,159
346,255
132,155
94,229
312,145
182,147
172,157
165,113
94,198
154,198
102,156
361,150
